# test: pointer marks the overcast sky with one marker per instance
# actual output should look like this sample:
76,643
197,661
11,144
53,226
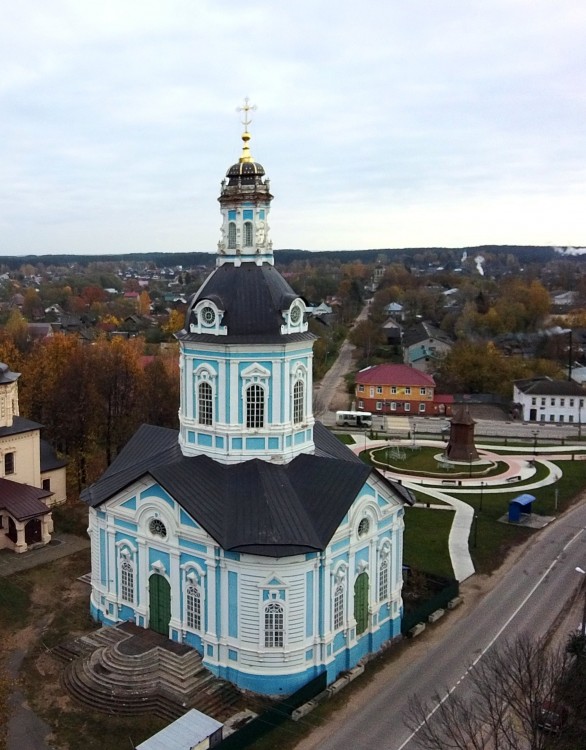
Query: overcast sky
382,123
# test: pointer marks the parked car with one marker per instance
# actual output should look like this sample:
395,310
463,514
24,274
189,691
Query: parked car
552,716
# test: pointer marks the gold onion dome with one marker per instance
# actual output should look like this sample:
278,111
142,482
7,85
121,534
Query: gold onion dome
246,166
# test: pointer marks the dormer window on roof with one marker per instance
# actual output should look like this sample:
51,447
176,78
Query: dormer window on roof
206,318
294,318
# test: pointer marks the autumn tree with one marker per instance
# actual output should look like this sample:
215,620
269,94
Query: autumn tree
497,706
118,380
143,303
366,335
479,367
160,395
174,322
16,329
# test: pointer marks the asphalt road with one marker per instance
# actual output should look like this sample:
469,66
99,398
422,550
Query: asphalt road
529,598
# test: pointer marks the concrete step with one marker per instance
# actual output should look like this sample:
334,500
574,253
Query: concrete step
162,680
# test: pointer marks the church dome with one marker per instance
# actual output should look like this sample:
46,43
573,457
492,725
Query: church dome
250,302
245,169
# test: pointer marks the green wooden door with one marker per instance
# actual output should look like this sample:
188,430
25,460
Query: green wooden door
159,604
361,603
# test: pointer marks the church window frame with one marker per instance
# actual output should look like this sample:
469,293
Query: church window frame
339,601
232,235
274,624
298,401
255,406
127,576
157,528
205,403
9,463
339,597
248,234
363,527
193,606
204,374
384,571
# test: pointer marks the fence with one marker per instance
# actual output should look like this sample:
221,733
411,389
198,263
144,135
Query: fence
274,716
443,590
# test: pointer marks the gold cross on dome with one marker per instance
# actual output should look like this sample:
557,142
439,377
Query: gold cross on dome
246,109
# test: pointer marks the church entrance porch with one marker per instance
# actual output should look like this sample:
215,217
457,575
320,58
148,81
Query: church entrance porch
127,670
159,604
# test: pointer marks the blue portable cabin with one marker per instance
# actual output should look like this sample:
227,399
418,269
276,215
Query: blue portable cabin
521,505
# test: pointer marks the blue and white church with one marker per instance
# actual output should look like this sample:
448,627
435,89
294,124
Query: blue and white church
251,534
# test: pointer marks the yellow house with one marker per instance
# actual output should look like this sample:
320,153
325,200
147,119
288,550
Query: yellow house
32,478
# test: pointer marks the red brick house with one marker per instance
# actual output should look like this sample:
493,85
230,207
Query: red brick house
400,390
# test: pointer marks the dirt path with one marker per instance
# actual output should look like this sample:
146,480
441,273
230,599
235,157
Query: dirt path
330,394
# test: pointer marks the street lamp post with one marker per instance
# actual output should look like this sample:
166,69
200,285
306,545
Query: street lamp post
583,572
535,434
481,493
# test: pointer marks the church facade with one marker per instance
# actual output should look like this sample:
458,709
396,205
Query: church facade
32,477
251,534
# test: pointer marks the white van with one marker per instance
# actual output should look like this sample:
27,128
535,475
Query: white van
354,418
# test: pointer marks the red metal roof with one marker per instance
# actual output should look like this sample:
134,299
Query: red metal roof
394,375
443,398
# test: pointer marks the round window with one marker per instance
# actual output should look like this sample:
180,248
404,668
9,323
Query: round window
295,314
363,527
208,315
157,527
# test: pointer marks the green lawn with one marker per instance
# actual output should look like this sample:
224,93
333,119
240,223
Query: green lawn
426,540
344,438
424,461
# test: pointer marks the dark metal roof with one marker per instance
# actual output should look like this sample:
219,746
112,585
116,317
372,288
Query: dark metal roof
275,510
253,299
49,460
6,374
549,387
22,501
20,424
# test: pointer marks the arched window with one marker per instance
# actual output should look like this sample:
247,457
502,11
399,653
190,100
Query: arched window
298,393
126,581
247,234
383,580
274,625
231,236
339,606
193,607
255,406
205,410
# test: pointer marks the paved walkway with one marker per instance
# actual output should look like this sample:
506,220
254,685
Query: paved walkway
60,546
520,467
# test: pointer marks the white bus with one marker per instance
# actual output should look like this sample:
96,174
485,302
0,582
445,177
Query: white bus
354,418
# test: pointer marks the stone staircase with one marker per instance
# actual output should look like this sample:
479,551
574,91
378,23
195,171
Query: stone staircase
128,670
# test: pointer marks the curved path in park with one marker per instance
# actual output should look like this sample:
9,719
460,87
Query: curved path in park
520,468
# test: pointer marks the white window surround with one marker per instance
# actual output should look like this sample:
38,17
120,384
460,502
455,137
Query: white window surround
205,404
298,375
204,374
273,624
338,606
126,571
384,571
339,617
193,608
255,375
193,578
294,318
204,322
